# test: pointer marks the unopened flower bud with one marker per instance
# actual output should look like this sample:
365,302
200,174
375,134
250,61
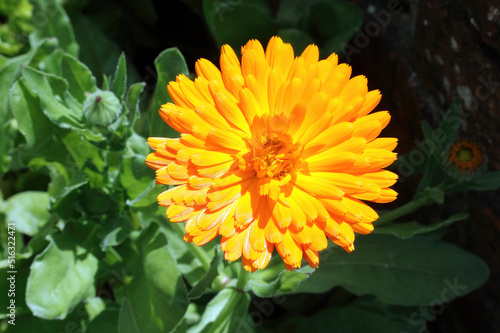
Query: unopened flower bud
101,108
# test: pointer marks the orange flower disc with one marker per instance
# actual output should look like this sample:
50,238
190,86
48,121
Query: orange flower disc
465,155
275,152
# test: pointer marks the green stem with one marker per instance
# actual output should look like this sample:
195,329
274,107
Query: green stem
201,255
403,210
243,278
236,297
226,313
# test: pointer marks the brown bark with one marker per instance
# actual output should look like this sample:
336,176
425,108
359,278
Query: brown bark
429,54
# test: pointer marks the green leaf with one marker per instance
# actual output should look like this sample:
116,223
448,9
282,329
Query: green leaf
133,101
284,282
432,174
426,130
84,154
191,317
97,202
51,21
119,84
94,306
11,69
224,312
206,283
145,194
359,316
436,194
236,22
50,89
28,210
61,277
25,107
297,38
138,145
156,297
22,267
126,320
291,13
413,228
327,18
414,271
115,231
138,180
6,150
51,63
64,181
193,262
18,25
36,245
64,188
169,64
105,82
488,181
80,80
435,143
106,321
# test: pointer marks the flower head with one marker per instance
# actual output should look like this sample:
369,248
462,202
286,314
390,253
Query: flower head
464,159
275,152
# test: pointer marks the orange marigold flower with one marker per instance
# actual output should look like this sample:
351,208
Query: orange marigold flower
465,159
275,152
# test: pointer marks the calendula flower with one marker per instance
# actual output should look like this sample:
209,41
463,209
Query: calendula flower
275,152
464,159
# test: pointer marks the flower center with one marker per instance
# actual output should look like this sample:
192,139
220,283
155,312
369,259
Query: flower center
273,156
465,155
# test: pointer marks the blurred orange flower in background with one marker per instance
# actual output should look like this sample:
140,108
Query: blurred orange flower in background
275,152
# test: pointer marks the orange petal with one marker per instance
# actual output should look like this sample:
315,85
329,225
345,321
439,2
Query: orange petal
216,170
273,233
319,187
311,256
207,70
205,158
265,257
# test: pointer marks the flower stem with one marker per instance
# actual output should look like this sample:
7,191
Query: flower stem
403,210
236,297
226,313
202,256
243,278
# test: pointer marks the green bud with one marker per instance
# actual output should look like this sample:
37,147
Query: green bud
101,108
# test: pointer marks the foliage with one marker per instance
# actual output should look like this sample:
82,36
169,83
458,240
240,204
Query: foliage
94,251
323,22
